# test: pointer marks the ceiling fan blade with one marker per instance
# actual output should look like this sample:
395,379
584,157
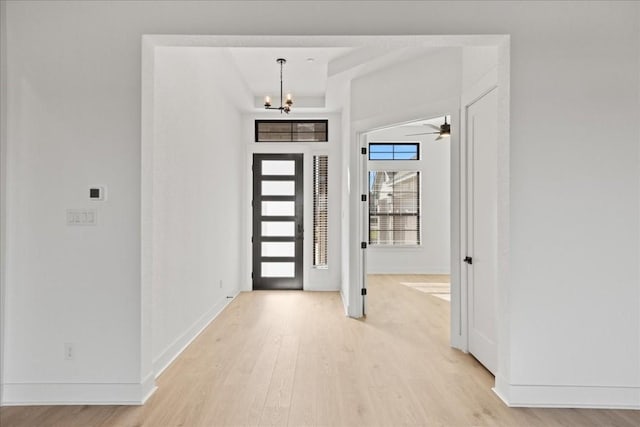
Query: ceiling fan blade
422,133
439,138
433,126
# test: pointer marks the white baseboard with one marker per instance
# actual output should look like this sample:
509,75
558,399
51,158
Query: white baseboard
344,303
148,388
26,394
560,396
23,394
177,347
313,288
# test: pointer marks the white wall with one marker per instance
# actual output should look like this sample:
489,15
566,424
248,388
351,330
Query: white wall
432,256
477,61
73,119
345,240
410,90
314,279
3,178
413,85
197,189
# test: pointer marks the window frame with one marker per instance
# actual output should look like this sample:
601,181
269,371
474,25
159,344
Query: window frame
386,168
257,123
394,144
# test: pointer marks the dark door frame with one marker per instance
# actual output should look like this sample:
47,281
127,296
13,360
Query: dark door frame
277,283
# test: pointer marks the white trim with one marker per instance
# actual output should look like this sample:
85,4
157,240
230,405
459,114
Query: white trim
3,184
147,141
480,88
344,303
176,348
26,394
313,288
567,396
148,388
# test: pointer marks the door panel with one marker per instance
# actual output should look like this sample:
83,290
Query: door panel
482,228
277,221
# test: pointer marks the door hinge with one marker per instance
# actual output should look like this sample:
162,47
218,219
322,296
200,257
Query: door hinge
252,274
468,260
363,245
363,197
251,239
363,150
363,291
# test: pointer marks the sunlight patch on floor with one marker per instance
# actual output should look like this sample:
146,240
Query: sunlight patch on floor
438,290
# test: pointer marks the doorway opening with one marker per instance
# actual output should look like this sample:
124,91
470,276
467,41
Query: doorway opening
408,172
399,224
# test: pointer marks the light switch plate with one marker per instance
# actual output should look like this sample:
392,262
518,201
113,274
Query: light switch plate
82,217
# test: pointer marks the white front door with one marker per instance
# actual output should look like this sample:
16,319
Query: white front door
482,228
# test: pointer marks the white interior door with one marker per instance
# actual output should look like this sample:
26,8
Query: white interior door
482,228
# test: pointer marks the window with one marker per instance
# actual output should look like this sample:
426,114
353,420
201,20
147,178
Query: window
320,211
394,151
291,130
394,208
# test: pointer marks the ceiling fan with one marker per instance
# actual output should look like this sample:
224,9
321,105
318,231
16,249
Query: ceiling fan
443,131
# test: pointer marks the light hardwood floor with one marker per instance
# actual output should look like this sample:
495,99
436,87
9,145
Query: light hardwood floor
293,358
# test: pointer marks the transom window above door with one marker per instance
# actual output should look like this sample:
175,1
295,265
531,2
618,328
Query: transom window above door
291,130
394,151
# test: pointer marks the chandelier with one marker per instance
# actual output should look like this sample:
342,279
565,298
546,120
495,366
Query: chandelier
288,102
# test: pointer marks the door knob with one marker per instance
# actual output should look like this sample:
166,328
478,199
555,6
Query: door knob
468,260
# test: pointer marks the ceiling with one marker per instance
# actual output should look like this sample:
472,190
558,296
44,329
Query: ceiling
315,76
304,74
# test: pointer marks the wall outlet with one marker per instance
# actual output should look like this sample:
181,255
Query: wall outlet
69,351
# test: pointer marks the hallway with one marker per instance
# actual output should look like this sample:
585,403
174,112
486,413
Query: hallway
293,358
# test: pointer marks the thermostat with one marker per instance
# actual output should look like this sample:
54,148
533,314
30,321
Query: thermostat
96,193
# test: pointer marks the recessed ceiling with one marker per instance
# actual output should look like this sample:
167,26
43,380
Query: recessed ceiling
261,72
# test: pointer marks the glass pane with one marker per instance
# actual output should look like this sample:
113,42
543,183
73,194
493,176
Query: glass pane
278,188
278,167
274,136
310,127
278,269
274,127
381,156
309,136
405,181
278,228
406,156
393,151
394,207
405,203
270,208
380,148
400,148
279,249
291,130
